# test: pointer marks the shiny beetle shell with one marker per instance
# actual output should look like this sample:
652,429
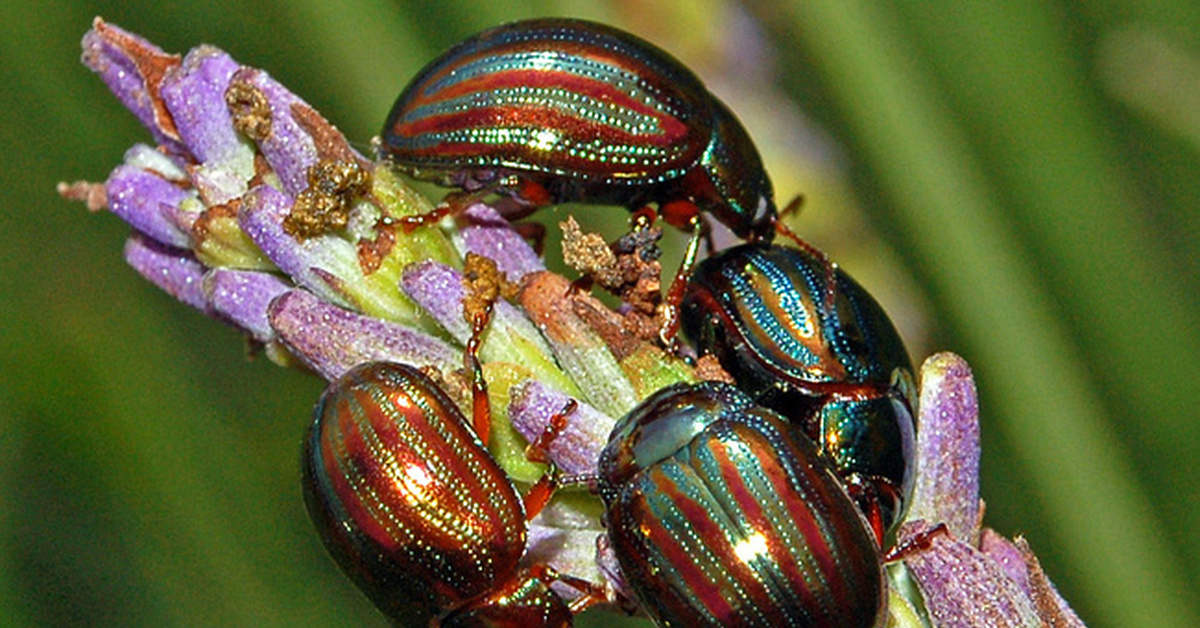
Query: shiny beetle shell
834,363
587,112
414,509
723,513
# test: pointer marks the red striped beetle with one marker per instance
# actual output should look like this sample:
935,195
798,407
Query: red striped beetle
723,513
559,110
806,340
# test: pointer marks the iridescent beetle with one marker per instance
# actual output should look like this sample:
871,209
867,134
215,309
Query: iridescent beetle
722,513
559,110
418,514
804,339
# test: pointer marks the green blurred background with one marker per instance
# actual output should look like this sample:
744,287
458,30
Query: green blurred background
1017,182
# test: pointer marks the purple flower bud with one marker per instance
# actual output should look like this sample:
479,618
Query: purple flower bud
439,290
1007,556
968,578
964,588
947,485
194,93
577,448
332,340
242,297
175,271
490,235
133,68
296,136
148,202
314,264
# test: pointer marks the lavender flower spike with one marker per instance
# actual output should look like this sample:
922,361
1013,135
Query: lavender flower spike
193,200
255,210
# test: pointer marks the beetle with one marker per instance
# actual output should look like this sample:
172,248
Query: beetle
723,513
550,111
803,338
416,512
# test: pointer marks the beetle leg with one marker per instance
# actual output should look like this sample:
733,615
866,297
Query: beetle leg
453,204
681,214
642,218
793,207
830,266
539,449
592,593
669,313
483,284
863,493
916,544
534,232
869,493
481,407
530,193
540,493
